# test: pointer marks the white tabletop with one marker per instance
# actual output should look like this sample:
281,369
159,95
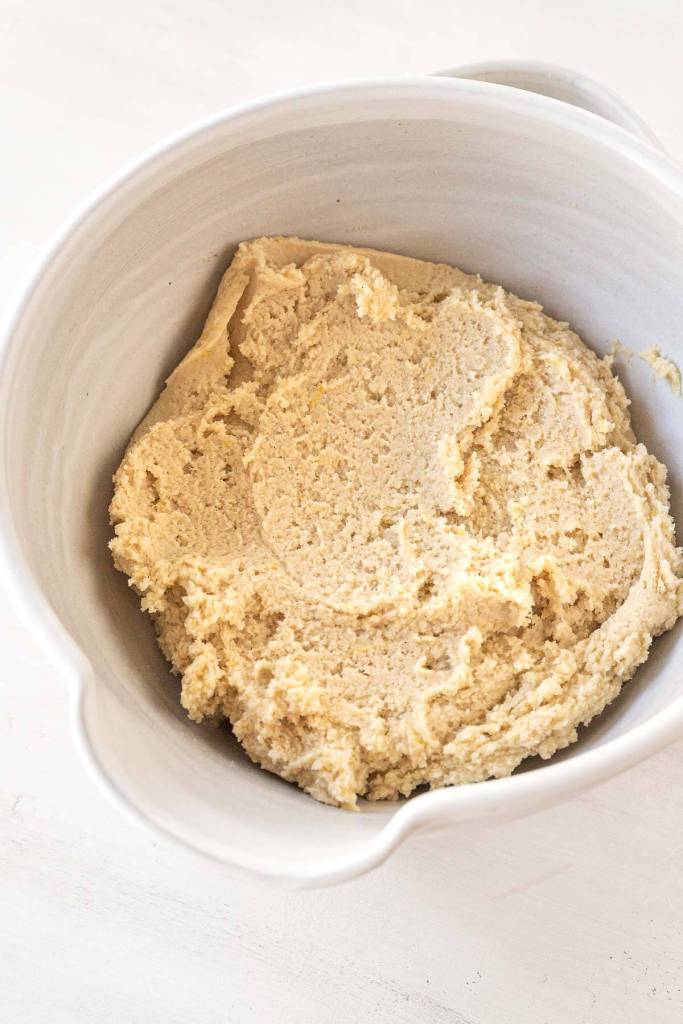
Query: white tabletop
571,916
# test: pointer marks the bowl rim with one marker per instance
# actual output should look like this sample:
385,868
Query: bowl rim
510,797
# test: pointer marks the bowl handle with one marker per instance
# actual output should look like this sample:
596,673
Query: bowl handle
560,84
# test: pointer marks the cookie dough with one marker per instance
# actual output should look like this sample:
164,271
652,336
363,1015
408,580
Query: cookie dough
663,367
393,523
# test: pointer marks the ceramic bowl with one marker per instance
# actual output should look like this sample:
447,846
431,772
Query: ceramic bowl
554,201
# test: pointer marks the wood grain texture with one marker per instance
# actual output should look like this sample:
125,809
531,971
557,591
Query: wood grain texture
574,915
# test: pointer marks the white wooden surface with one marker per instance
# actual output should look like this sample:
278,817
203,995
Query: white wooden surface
572,916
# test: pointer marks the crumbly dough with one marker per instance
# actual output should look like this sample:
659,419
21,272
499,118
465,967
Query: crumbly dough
663,367
393,523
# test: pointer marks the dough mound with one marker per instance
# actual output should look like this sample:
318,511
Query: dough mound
393,523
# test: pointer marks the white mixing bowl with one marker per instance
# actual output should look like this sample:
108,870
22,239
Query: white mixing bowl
553,201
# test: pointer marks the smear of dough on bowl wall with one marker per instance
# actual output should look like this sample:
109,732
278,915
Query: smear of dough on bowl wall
393,523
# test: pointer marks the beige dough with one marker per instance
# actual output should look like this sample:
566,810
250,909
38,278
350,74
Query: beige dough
663,367
393,523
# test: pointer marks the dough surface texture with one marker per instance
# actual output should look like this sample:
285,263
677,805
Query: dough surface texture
392,523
